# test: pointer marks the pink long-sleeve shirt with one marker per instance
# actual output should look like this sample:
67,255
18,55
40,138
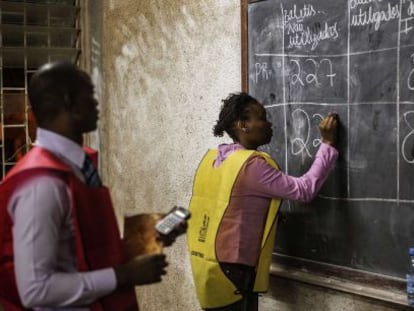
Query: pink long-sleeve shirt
239,236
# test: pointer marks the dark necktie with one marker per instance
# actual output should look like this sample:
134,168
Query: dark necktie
90,173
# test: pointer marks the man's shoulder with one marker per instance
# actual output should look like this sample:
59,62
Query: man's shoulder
46,181
42,174
36,161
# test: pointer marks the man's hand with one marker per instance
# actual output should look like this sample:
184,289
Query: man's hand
140,236
329,129
169,239
141,270
179,229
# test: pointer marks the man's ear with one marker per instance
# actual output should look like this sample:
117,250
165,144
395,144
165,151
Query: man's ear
71,107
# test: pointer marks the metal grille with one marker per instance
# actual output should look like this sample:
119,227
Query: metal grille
33,32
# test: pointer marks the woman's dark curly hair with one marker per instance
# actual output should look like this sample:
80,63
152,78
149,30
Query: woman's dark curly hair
234,108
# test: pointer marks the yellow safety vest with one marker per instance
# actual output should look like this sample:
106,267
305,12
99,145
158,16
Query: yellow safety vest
211,195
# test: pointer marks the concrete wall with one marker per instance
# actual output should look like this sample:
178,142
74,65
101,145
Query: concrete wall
166,65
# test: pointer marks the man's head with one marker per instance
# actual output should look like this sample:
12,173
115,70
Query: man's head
62,99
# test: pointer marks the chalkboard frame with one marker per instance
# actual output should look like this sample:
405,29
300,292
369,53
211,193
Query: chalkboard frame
345,279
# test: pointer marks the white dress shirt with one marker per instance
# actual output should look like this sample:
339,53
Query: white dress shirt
43,239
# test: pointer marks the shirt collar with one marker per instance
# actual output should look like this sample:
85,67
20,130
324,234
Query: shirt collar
61,146
224,150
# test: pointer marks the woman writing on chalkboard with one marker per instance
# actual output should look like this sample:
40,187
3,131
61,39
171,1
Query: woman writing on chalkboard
236,195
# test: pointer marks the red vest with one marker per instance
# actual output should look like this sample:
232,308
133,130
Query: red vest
97,238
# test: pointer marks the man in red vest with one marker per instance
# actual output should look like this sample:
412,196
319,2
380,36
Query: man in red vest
60,248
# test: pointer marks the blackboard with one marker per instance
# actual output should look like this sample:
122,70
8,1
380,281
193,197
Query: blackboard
355,58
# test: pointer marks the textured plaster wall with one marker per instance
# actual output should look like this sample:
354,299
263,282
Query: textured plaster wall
166,64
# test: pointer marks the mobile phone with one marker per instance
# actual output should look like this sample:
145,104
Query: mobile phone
175,217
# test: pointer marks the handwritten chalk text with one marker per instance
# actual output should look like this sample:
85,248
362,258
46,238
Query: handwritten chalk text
354,3
372,17
299,15
313,38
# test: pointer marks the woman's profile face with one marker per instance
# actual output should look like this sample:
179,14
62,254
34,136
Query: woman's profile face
258,130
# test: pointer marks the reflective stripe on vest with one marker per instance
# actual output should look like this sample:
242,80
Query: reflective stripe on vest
211,195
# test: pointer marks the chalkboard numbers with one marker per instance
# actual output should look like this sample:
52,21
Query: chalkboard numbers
407,22
301,133
296,77
330,74
406,149
405,27
302,127
319,73
410,76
